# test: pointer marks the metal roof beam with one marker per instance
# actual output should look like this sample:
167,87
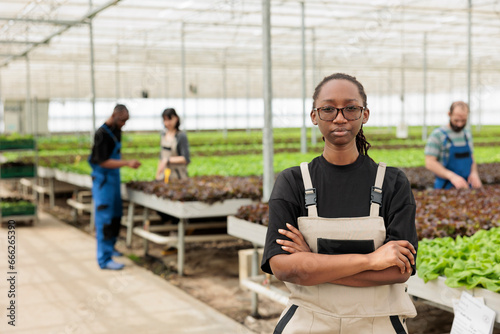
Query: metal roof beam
85,19
30,20
6,41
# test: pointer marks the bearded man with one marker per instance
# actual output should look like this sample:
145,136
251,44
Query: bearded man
448,152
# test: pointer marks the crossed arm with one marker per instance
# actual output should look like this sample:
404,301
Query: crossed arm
390,263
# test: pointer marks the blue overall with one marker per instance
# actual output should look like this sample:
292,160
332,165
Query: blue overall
107,204
459,161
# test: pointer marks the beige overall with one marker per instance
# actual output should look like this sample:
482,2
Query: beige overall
169,149
333,309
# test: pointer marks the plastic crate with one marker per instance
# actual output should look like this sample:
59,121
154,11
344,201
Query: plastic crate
16,144
19,210
8,172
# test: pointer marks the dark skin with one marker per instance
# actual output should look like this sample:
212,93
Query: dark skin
118,120
390,263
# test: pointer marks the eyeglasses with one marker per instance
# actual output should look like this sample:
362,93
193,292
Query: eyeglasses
350,113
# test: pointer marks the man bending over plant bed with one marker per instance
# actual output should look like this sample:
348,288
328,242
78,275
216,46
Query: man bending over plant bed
448,153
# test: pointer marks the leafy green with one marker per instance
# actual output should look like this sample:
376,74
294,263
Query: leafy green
465,261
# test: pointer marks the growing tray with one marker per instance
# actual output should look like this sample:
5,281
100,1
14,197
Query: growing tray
8,172
21,210
16,144
187,209
80,180
437,292
246,230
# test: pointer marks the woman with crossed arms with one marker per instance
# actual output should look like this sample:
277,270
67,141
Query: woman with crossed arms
341,229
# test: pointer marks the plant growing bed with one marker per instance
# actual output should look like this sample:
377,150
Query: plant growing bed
207,189
16,142
15,169
465,261
11,206
196,197
422,178
440,213
456,212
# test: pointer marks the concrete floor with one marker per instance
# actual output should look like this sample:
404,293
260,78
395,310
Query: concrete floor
60,289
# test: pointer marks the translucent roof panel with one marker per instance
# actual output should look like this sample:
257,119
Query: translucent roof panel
147,45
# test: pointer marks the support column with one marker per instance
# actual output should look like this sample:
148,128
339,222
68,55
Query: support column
315,81
303,136
92,74
469,59
479,92
224,96
424,128
28,111
117,74
267,135
183,62
248,99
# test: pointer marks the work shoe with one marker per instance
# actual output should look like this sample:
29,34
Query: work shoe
112,265
116,253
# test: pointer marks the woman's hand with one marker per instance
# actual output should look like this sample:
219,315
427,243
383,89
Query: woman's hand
394,253
298,243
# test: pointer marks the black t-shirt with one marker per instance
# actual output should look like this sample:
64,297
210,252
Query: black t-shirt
342,192
104,144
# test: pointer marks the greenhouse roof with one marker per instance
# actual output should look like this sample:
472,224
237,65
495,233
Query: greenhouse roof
140,46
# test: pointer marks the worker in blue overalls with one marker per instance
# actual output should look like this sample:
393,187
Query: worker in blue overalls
106,162
448,152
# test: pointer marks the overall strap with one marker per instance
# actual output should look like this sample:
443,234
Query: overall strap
446,137
310,193
466,139
108,130
376,193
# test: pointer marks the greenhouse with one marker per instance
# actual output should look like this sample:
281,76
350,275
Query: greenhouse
172,134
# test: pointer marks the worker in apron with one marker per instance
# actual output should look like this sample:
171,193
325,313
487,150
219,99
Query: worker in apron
106,162
331,308
448,152
178,171
459,161
341,231
174,155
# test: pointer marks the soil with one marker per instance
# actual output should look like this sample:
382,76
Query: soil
211,275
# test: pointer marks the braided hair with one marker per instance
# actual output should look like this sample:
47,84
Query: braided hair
361,143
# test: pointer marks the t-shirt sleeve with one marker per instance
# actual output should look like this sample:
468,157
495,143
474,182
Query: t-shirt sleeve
103,147
283,209
434,144
400,222
183,146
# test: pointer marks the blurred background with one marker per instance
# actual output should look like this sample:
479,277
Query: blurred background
65,63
